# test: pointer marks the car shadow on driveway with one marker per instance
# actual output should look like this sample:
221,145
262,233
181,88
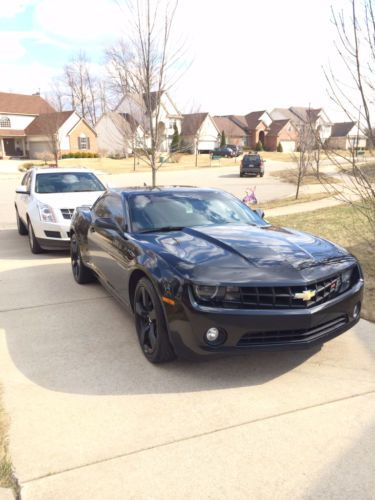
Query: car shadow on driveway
77,339
13,246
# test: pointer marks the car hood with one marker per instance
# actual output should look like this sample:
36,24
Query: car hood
243,254
69,200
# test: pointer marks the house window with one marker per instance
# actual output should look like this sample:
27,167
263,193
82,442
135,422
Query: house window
83,142
4,122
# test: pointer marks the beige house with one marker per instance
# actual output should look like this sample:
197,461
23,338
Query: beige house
118,134
30,127
346,135
199,133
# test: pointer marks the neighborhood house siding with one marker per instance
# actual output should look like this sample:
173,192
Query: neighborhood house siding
65,129
18,122
84,129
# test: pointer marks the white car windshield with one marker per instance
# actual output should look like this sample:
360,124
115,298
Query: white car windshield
67,182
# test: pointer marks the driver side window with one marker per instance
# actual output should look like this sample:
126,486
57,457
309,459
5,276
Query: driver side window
110,207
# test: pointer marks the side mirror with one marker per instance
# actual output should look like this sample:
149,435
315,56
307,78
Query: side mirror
22,190
104,223
260,212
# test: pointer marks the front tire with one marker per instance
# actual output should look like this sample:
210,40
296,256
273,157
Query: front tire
33,240
150,324
82,274
22,229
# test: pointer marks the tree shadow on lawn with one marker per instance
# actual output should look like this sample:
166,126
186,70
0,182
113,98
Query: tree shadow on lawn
82,341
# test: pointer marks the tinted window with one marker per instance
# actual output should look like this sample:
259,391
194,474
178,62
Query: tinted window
253,159
67,182
110,207
156,210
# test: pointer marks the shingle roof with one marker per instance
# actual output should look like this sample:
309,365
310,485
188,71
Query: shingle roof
342,129
192,122
239,120
47,123
23,104
253,118
277,125
230,128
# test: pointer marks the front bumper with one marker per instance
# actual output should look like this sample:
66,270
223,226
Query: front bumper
260,329
52,235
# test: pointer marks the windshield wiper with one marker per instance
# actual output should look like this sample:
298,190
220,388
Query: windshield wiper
162,229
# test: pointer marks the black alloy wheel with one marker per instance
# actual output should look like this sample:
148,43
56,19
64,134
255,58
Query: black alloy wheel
150,324
81,273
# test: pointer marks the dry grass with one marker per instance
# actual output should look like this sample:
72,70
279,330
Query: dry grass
343,225
284,202
290,175
7,479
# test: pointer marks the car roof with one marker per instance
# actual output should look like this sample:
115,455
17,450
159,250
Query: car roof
125,191
70,170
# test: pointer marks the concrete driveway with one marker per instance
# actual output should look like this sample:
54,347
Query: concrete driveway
91,419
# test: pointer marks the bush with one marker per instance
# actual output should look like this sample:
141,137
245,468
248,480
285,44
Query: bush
80,154
259,146
279,148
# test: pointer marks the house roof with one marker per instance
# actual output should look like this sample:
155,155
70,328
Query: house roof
239,120
192,122
47,123
253,118
230,128
342,129
8,132
282,114
306,114
22,104
131,121
277,126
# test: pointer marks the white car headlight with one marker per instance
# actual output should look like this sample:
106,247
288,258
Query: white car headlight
46,213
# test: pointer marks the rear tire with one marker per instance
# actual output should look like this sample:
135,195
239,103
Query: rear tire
22,229
33,241
151,324
82,274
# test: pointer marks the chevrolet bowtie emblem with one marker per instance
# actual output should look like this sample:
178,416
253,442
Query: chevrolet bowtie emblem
306,295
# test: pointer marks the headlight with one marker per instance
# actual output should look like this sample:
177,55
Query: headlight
46,213
346,279
207,293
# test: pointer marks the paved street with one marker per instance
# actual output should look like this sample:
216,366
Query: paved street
92,419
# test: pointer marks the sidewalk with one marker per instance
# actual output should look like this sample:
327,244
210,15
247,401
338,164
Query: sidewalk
303,207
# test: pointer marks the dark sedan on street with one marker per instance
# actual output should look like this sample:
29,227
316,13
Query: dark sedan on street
205,274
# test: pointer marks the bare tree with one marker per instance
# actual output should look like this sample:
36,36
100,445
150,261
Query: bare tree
82,87
304,154
354,95
148,70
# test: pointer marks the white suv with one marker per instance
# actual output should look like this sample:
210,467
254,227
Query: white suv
46,200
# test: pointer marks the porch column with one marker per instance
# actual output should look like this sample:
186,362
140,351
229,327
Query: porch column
1,147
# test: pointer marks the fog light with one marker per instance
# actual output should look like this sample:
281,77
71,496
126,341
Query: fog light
212,334
356,310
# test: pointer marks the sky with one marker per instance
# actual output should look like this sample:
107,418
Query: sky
242,55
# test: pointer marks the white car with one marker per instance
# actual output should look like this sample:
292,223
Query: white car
46,200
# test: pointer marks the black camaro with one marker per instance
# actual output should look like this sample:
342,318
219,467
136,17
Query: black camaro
205,274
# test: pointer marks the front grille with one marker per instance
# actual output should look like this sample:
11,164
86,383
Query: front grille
280,336
285,297
67,213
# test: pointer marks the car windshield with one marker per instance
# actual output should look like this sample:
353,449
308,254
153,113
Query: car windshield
167,211
67,182
251,159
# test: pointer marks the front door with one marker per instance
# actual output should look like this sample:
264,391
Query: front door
9,147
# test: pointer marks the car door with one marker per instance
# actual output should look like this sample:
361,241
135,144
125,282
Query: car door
22,200
110,249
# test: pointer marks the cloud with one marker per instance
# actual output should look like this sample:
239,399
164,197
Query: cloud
82,21
26,78
14,7
11,47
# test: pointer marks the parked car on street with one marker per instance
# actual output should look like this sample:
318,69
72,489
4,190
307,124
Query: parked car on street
224,151
252,164
45,202
237,149
204,274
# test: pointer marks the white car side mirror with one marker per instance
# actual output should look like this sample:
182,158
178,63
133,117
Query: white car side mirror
22,190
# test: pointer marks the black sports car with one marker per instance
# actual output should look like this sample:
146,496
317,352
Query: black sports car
205,274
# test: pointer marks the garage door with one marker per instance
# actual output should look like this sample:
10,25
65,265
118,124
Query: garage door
206,145
288,146
37,149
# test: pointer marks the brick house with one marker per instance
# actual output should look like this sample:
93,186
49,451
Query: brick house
234,132
28,124
258,123
281,132
346,135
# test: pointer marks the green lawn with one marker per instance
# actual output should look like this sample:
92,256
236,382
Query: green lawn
344,226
